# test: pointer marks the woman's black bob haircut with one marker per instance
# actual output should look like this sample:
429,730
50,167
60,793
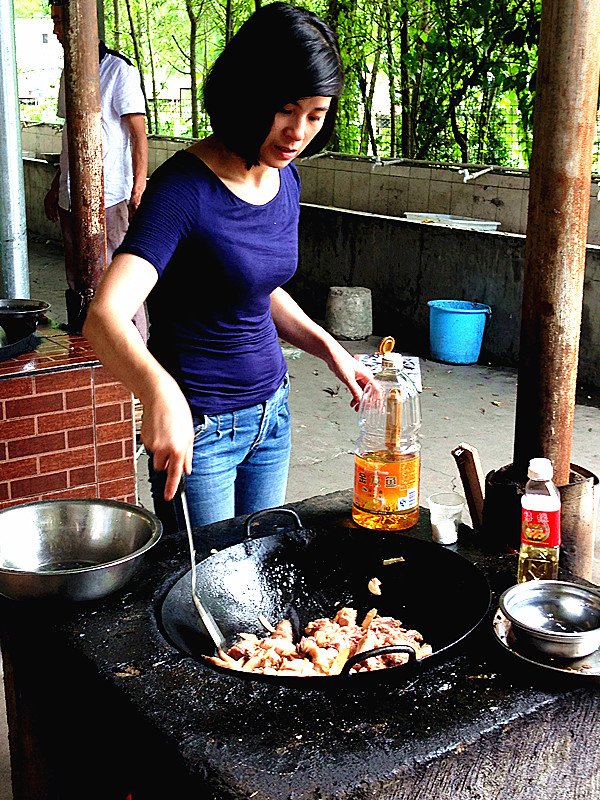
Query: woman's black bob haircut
279,55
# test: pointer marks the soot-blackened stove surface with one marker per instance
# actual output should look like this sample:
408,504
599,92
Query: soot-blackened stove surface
216,736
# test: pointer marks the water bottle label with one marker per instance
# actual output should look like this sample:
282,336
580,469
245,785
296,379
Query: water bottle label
384,487
540,528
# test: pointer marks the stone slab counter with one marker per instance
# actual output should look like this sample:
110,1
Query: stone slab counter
101,705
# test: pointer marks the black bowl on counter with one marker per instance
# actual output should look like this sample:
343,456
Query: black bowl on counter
22,309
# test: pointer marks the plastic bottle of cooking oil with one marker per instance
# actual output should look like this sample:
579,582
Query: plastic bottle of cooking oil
540,524
388,454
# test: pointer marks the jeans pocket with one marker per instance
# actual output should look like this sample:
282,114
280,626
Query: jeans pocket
200,426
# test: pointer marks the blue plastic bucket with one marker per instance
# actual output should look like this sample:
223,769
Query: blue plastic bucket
456,330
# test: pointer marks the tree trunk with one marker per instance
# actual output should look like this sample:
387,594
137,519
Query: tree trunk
117,25
459,137
138,58
367,126
391,79
193,66
485,114
152,72
407,141
228,22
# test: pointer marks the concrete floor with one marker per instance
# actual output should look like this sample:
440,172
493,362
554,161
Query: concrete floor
473,404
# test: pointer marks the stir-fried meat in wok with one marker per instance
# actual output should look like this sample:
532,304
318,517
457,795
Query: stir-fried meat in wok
325,647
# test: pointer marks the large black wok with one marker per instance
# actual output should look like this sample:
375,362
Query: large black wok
303,574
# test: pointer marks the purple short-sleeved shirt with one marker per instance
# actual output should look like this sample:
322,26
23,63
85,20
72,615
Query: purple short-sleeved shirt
218,259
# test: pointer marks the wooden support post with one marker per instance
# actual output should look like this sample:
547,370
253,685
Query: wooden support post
560,176
84,131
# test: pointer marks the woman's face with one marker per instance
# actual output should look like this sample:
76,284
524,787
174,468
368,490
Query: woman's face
292,129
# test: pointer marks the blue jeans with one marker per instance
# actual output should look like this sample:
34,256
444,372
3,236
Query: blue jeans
240,464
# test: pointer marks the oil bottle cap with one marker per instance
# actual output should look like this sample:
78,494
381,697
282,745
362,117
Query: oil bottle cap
540,469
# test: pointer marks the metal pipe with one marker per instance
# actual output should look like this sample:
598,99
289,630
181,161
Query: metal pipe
559,195
13,226
84,133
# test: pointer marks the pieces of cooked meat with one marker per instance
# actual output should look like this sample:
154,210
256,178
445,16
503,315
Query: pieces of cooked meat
325,647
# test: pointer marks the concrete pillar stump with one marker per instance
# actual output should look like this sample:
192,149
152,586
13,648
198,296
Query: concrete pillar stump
349,313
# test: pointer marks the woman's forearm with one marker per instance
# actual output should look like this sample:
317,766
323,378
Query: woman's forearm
167,427
297,328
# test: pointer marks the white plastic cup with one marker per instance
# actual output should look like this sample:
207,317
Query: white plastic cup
445,509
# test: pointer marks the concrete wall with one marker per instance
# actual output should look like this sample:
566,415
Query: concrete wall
387,187
405,264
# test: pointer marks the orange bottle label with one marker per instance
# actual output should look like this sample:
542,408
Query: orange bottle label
384,487
540,528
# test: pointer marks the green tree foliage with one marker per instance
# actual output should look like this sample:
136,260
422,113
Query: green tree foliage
443,80
28,9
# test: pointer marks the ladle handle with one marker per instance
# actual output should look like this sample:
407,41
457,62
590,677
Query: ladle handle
380,651
258,514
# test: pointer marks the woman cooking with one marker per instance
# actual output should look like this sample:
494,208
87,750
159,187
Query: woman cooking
210,246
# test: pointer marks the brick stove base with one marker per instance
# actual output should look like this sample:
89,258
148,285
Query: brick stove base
66,425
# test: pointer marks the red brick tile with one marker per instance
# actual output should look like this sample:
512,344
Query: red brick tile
110,413
80,437
67,379
17,428
18,468
119,488
34,445
128,448
77,418
68,459
114,432
37,404
16,387
112,451
82,477
116,469
111,393
78,493
3,451
4,494
102,375
79,398
41,484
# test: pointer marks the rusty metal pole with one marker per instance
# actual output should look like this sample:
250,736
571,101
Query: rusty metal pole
84,132
559,195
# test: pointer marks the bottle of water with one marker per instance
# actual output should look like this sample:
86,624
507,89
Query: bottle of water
388,454
540,524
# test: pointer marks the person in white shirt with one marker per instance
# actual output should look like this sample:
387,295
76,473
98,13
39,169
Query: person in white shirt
125,159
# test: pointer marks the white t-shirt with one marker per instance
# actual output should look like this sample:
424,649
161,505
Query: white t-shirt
121,93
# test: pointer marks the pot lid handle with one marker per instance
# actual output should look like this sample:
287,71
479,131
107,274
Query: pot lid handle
252,519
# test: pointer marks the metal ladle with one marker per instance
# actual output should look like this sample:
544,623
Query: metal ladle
206,617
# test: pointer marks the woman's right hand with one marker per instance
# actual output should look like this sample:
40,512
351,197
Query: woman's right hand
168,433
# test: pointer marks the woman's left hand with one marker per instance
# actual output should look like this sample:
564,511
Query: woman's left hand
351,371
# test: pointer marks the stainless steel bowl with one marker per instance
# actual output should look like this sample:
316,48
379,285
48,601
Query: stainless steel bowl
555,617
73,549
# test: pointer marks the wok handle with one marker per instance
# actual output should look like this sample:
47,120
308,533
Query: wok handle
380,651
257,514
